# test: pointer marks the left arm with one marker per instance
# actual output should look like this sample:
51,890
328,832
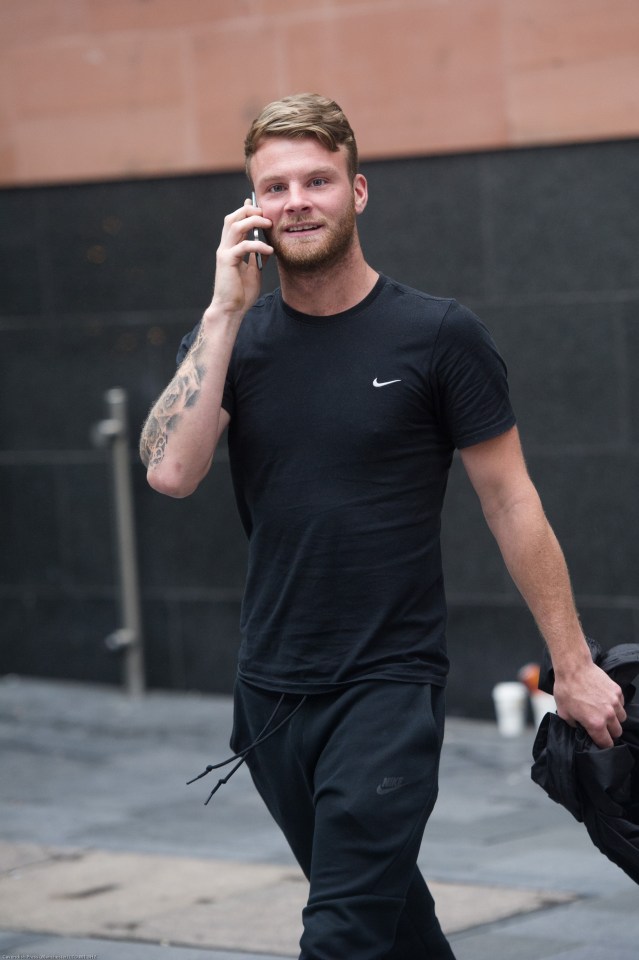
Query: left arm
535,561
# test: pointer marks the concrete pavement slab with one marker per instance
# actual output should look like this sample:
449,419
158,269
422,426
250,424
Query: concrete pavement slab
202,903
18,946
93,781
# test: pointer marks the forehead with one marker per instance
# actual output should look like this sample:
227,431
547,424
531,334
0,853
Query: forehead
284,158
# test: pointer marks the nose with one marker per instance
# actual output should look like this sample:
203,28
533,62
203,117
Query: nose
297,198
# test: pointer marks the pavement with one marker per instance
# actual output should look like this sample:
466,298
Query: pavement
105,853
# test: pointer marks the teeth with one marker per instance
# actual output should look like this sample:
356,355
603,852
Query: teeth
300,229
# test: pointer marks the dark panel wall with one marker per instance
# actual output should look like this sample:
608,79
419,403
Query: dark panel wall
99,283
542,244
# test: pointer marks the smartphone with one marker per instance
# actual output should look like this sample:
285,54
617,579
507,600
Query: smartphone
256,234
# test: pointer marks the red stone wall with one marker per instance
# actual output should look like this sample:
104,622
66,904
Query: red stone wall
95,89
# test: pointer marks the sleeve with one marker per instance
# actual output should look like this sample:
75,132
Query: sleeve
470,379
185,345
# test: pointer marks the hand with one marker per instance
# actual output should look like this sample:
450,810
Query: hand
589,697
237,282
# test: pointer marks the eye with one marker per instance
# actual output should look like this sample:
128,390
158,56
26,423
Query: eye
275,188
318,181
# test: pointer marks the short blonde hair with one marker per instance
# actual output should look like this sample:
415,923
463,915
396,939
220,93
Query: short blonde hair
304,115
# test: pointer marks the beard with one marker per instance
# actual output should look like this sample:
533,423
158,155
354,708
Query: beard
308,255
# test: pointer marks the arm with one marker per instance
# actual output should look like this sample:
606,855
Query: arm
183,428
533,556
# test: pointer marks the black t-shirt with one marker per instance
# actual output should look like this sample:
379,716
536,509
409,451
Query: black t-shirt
341,437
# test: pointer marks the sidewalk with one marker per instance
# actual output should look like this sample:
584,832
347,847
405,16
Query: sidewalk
105,853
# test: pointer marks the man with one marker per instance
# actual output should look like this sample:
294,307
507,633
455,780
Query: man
345,395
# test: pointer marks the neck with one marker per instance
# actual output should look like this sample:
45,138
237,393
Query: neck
327,290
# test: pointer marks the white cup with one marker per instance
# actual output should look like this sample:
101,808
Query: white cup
542,703
510,701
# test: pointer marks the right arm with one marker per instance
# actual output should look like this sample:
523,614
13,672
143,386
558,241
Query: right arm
185,423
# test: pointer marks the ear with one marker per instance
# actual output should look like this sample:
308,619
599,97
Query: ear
360,192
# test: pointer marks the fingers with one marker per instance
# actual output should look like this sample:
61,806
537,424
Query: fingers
608,729
603,740
597,704
615,726
602,737
239,235
246,219
237,277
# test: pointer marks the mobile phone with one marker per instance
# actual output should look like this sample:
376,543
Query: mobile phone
256,234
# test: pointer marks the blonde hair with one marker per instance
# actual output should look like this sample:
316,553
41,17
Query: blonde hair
304,115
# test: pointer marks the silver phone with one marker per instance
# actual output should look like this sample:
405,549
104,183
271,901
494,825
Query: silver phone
256,234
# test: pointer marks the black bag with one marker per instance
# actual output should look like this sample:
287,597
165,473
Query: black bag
600,787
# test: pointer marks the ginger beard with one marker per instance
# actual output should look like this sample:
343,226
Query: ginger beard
306,253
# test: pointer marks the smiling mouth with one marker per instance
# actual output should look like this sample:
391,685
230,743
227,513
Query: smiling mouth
302,228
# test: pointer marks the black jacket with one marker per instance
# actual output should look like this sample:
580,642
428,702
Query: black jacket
600,787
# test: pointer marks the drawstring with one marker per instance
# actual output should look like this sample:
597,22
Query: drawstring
261,737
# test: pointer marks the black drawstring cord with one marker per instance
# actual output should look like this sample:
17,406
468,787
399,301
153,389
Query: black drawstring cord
236,756
222,781
261,737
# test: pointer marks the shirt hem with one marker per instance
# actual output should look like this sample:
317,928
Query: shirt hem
319,687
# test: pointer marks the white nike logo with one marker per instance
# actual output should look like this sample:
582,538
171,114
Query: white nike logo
384,383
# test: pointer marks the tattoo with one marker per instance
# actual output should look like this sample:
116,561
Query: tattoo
158,452
182,392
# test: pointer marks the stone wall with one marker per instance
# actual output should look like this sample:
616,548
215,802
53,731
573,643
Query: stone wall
93,89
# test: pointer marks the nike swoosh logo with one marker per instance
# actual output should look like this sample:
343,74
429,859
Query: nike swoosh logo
381,790
384,383
389,784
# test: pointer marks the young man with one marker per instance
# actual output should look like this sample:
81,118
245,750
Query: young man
345,395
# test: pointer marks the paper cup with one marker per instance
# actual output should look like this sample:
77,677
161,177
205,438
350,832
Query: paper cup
510,701
542,703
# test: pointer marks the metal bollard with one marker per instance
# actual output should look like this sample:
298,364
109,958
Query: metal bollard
113,432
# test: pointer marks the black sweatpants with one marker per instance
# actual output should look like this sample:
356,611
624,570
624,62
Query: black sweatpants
351,780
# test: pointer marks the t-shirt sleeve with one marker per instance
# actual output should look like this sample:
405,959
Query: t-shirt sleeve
185,345
470,379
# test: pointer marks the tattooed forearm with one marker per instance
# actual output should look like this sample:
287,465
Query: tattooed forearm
152,443
181,393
